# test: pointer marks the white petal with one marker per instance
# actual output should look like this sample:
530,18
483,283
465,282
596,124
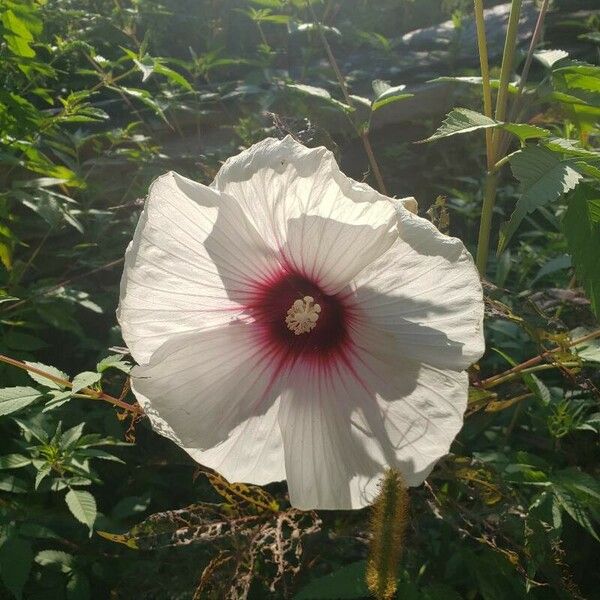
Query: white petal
206,384
426,290
253,452
190,264
342,429
328,226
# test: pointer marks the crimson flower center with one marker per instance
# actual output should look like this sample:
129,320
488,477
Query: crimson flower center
298,317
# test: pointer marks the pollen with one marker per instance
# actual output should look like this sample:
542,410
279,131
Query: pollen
303,315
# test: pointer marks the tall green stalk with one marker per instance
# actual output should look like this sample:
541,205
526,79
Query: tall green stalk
485,76
491,182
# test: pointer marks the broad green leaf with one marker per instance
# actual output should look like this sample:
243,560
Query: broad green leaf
588,351
581,225
549,57
145,97
16,398
580,82
318,93
494,83
464,120
345,582
14,461
570,148
114,361
578,494
85,379
44,380
72,435
17,35
62,560
173,76
83,506
387,94
16,557
544,177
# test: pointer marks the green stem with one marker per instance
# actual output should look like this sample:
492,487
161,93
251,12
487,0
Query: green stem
87,391
485,75
485,224
510,44
364,134
491,180
536,369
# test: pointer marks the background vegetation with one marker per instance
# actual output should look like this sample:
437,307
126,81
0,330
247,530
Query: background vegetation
98,97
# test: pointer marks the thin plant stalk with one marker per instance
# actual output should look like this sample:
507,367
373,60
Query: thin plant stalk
536,360
87,391
485,76
364,135
491,181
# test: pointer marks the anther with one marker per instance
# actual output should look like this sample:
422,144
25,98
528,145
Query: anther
303,315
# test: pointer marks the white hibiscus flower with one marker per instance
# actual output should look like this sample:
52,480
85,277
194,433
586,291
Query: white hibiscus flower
291,323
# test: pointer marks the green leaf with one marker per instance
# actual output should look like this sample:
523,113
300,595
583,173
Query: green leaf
16,398
386,94
581,225
544,177
85,379
16,557
13,485
114,361
57,558
589,350
17,35
143,96
14,461
549,57
346,582
83,506
173,76
578,494
494,83
44,380
464,120
320,94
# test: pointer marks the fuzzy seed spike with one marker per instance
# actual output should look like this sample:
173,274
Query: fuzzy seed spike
388,526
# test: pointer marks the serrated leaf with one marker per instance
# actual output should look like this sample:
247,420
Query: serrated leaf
14,461
85,379
581,225
13,399
114,361
44,380
72,435
464,120
575,501
544,177
83,506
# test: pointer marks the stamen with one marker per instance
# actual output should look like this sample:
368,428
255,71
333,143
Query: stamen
303,315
